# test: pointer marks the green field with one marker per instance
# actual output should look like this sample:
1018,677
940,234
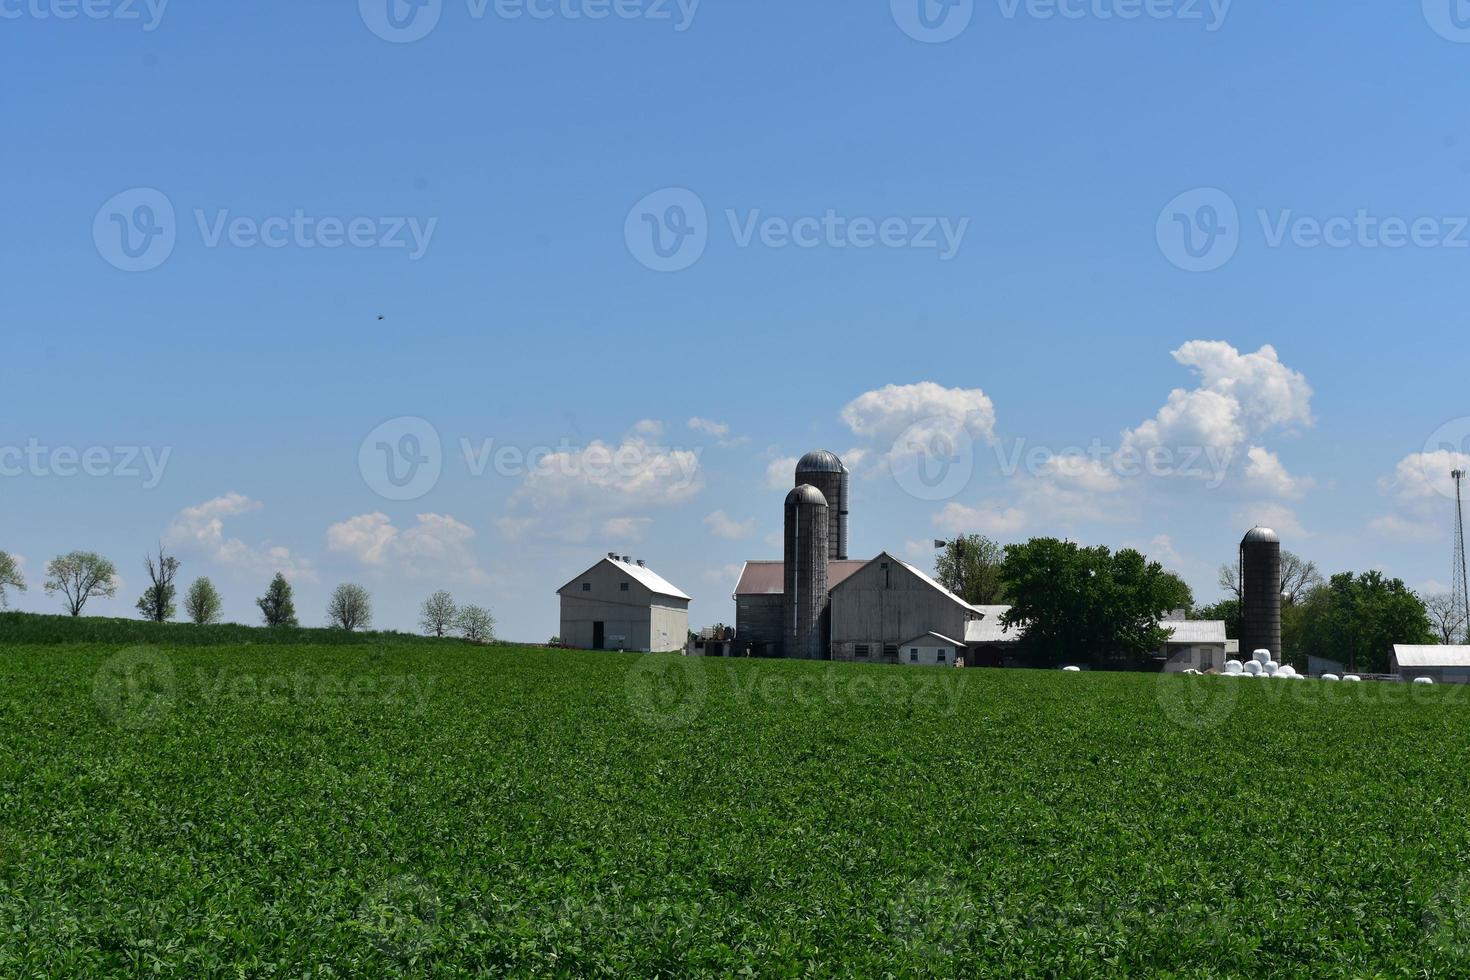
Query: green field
394,805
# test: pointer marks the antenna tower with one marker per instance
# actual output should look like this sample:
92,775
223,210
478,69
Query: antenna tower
1461,590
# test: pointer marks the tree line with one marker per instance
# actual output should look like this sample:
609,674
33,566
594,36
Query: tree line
81,576
1077,603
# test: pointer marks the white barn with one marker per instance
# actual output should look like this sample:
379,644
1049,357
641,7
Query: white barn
1442,664
622,604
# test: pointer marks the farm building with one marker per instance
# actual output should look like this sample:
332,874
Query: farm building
622,604
1198,644
816,603
1442,664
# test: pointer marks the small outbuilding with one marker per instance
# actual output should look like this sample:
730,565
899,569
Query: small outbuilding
622,604
1441,664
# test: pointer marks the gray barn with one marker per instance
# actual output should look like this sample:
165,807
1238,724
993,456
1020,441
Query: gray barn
888,602
1441,664
620,604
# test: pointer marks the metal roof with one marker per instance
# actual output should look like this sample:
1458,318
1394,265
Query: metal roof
1265,534
1424,656
642,574
928,579
1196,631
931,635
769,577
989,629
819,461
806,494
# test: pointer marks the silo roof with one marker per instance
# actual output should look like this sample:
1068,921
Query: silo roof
820,461
1262,535
806,494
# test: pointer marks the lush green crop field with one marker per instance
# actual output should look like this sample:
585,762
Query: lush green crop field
331,810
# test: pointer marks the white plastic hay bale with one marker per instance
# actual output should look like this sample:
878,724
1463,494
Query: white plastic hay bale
1262,676
1261,657
1354,678
1271,667
1253,668
1298,677
1072,670
1331,677
1423,680
1234,667
1286,670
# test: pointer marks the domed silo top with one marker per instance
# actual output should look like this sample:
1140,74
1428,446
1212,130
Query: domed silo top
806,494
820,461
1261,535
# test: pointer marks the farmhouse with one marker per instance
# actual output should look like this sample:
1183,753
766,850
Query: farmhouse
622,604
1442,664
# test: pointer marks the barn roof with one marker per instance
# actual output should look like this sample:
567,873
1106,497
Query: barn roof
1196,630
1425,656
769,577
642,574
927,638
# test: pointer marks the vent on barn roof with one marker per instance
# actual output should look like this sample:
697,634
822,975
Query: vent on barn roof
613,555
640,563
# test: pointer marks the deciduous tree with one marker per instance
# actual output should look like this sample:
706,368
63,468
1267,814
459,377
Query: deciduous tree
276,606
10,577
350,608
476,624
438,614
79,576
157,602
202,602
970,567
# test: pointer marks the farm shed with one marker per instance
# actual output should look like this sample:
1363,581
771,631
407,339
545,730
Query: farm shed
622,604
1442,664
887,602
1197,644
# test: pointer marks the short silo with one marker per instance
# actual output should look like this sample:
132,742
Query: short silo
804,603
825,471
1260,607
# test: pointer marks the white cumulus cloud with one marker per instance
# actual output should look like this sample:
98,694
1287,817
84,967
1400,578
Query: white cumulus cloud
436,545
201,529
722,525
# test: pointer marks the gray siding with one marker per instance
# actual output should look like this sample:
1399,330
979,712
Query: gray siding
880,609
758,623
645,620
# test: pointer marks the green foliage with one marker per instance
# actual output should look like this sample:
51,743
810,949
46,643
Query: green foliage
10,577
1086,605
970,567
79,576
202,604
276,606
1358,619
1227,610
355,808
1177,593
157,601
33,629
350,608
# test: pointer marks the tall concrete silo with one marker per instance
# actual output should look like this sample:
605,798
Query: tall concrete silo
1260,608
804,604
825,471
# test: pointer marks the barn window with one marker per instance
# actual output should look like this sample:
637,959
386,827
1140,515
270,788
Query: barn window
943,652
914,655
860,650
623,586
586,586
890,650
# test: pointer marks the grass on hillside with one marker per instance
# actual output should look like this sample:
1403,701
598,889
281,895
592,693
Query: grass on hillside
457,811
36,628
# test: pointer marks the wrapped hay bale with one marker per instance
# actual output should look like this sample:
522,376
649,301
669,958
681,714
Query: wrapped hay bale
1423,680
1330,677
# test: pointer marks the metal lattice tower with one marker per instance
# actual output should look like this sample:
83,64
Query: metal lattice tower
1461,590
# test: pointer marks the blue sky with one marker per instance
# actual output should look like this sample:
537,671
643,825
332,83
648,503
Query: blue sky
1067,156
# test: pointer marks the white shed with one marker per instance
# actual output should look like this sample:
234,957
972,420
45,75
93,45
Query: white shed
1441,664
622,604
929,650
